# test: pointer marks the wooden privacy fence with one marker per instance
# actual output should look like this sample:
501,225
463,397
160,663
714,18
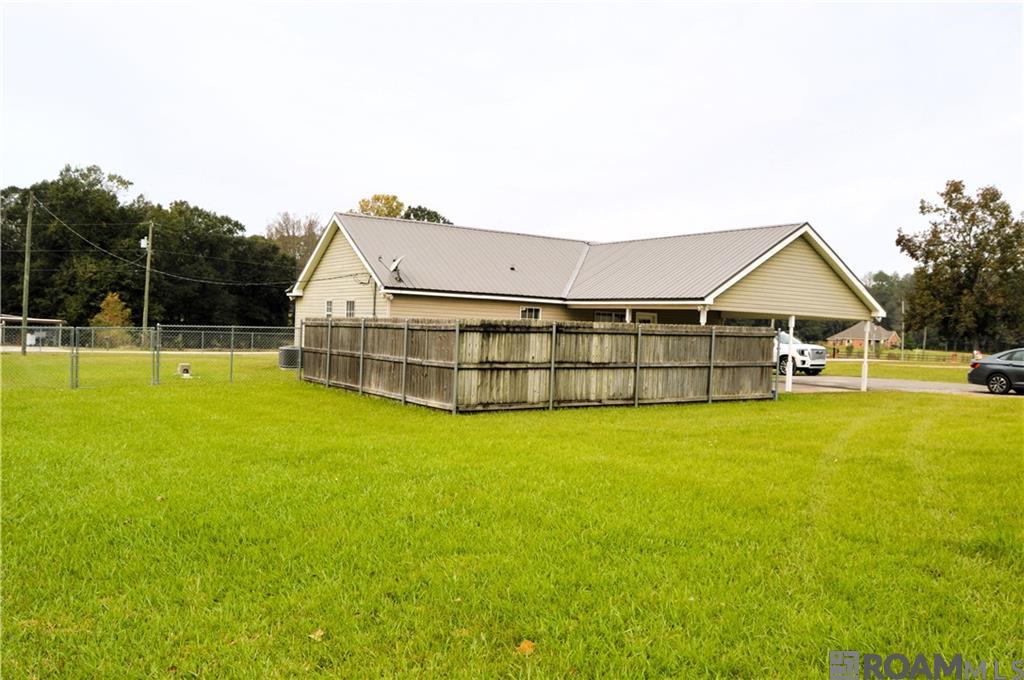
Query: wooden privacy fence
475,365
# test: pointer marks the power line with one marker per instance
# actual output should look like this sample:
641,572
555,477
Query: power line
192,279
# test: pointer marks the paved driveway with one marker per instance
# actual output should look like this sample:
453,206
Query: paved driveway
838,383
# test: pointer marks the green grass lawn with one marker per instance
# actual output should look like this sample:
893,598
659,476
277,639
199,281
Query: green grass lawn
272,528
903,371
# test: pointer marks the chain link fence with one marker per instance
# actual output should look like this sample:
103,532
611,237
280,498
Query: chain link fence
74,357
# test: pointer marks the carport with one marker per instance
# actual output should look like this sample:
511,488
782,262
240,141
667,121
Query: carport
798,277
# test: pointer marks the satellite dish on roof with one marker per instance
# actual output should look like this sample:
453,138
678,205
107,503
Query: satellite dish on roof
395,263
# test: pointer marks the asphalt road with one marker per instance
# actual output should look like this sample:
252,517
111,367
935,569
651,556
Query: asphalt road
837,383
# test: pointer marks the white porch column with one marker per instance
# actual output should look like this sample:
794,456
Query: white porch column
629,314
864,365
789,355
703,315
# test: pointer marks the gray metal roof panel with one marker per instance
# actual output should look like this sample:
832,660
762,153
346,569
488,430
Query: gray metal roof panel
685,267
439,257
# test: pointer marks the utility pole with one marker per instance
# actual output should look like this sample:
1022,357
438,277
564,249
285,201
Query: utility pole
145,295
24,280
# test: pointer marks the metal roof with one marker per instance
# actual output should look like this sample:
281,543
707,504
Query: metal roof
446,258
441,257
673,267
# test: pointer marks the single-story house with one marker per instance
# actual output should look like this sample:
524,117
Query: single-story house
366,266
854,336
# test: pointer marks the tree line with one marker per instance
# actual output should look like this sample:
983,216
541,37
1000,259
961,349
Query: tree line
88,255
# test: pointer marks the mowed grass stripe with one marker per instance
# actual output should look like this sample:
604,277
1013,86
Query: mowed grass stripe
212,528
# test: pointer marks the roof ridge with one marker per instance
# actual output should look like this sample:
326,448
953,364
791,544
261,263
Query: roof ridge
459,226
699,233
576,270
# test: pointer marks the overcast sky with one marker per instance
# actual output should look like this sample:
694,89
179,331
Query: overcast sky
602,122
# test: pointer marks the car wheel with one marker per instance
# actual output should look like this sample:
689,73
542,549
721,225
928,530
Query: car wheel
998,383
782,365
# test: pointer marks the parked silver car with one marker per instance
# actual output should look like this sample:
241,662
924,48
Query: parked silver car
1000,372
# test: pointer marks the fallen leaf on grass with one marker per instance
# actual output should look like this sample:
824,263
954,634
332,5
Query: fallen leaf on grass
461,632
317,635
161,498
526,647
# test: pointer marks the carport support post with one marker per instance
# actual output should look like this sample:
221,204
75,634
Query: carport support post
864,363
789,355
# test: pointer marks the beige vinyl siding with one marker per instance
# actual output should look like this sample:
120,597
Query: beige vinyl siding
331,280
433,307
796,280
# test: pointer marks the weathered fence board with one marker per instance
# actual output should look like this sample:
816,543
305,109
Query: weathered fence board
496,365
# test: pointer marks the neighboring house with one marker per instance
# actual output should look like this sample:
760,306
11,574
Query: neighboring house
854,337
367,266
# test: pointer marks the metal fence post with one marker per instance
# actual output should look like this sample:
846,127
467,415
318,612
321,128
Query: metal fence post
302,329
159,341
636,373
362,345
711,367
78,360
551,374
231,357
152,357
71,362
327,375
455,371
405,357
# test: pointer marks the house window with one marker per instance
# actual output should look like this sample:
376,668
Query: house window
529,312
328,307
609,317
350,307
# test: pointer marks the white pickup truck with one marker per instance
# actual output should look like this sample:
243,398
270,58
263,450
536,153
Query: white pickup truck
809,359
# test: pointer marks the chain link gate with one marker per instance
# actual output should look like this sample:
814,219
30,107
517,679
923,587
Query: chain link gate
67,356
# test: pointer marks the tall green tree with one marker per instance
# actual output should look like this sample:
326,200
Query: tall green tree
72,273
969,278
424,214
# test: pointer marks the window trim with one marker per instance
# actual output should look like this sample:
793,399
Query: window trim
522,310
328,307
350,309
614,316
